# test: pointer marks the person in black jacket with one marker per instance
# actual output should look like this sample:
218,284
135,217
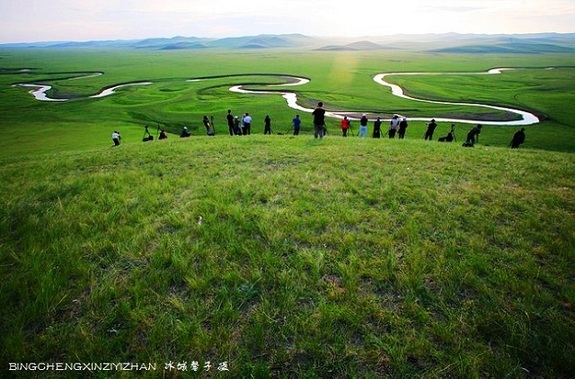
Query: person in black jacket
185,133
430,129
402,128
318,121
377,128
518,138
267,125
230,119
473,136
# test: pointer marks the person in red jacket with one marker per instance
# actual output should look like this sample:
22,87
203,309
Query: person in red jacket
344,125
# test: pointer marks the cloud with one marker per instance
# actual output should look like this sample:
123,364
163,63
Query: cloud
34,20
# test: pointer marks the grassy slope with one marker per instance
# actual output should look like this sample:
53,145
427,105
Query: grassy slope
339,257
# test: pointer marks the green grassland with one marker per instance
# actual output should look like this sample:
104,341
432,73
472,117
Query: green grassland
343,80
285,256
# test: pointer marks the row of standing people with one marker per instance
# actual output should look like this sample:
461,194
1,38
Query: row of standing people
236,126
399,126
396,126
472,136
243,126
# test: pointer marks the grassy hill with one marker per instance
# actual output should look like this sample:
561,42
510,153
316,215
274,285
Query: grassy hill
279,255
508,48
286,256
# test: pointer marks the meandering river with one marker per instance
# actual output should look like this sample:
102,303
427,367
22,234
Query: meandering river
526,118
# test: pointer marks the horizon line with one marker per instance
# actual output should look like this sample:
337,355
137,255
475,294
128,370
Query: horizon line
287,34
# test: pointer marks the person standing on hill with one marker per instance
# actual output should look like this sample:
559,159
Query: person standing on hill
116,138
237,126
296,125
518,138
363,126
267,125
318,121
247,121
209,130
345,125
230,120
402,128
377,128
393,126
430,129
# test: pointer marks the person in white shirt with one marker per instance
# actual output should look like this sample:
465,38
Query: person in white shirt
247,121
393,126
116,138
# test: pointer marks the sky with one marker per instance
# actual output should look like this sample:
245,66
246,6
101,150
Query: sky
87,20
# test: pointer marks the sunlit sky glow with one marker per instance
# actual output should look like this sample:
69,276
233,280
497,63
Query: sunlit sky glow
74,20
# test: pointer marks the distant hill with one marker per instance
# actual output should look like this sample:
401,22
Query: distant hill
516,45
171,43
354,46
483,43
184,46
449,43
507,49
263,41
